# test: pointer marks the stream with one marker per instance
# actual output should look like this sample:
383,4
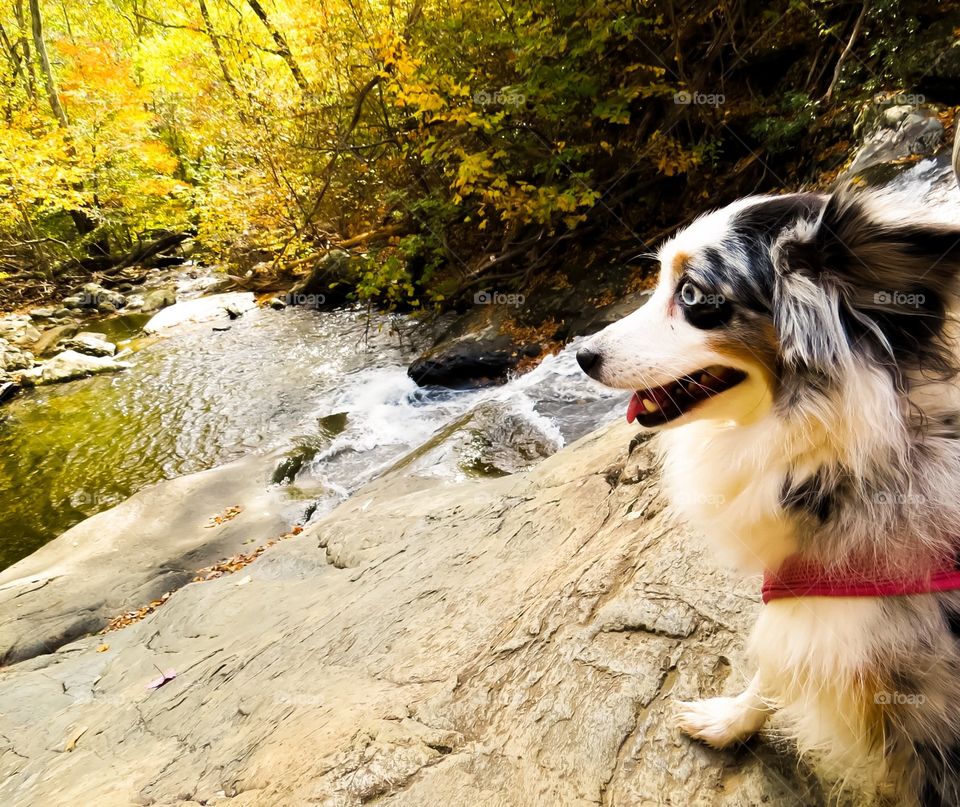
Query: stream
328,387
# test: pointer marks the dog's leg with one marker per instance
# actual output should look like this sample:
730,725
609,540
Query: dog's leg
721,722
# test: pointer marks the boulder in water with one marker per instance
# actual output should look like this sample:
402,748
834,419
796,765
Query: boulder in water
13,357
155,299
893,133
90,343
18,330
69,365
93,295
204,309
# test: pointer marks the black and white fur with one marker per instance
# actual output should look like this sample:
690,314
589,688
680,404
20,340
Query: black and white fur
841,443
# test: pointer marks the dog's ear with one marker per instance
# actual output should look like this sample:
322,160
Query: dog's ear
865,275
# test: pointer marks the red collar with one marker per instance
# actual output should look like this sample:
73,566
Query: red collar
800,578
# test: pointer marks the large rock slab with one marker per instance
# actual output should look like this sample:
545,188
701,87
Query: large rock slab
509,641
70,365
125,557
204,309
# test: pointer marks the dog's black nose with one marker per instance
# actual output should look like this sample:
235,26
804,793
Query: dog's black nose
588,360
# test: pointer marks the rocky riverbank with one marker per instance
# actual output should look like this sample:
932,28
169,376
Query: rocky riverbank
514,641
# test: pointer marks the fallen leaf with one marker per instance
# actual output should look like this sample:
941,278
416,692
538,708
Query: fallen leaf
165,678
227,515
72,742
103,648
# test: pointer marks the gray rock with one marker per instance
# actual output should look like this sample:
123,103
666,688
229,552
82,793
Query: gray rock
277,304
62,313
156,299
49,340
327,282
503,439
70,364
203,309
8,388
510,641
13,357
893,134
74,301
42,313
129,555
18,330
93,295
90,344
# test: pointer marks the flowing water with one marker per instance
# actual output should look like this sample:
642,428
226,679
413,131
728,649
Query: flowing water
330,386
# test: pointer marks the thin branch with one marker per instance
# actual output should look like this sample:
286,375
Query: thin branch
846,51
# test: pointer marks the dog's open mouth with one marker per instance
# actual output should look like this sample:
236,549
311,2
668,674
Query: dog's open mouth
657,405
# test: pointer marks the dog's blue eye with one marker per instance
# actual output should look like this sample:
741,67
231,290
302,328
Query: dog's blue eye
691,295
701,309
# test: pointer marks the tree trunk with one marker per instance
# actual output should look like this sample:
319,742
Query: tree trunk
282,47
16,61
24,43
215,42
41,49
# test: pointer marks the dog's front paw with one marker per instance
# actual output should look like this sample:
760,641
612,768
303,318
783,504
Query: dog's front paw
720,722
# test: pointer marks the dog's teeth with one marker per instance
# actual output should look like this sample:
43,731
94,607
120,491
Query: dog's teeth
650,406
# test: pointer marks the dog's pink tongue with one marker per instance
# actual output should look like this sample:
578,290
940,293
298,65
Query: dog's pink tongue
634,408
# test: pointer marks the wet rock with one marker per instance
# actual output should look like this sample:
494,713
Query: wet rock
94,295
18,330
203,309
69,365
90,344
8,389
892,134
276,304
467,364
48,342
593,319
62,313
13,357
514,641
42,313
156,299
326,284
503,439
468,360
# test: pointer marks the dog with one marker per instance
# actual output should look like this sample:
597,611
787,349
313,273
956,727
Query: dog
798,358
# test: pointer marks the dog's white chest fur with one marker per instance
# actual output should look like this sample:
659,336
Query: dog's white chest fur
728,487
